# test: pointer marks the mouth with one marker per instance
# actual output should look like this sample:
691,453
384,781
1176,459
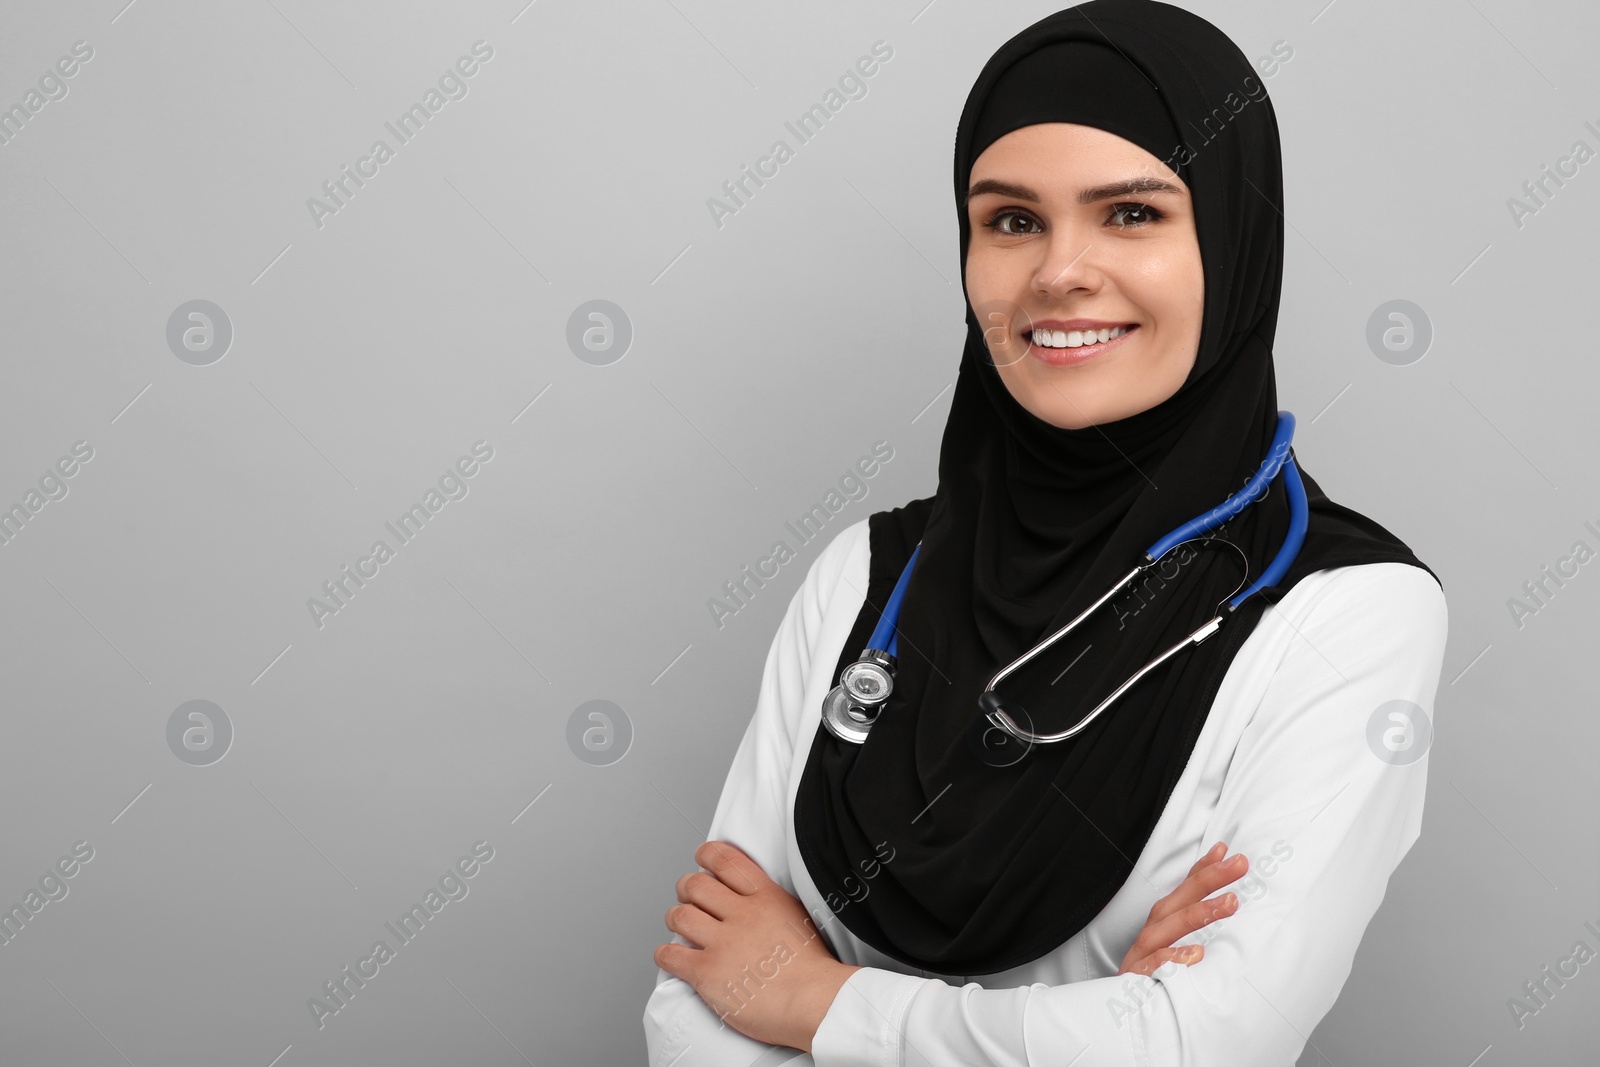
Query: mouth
1069,347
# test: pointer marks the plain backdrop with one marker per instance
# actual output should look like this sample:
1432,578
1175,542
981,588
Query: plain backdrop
739,368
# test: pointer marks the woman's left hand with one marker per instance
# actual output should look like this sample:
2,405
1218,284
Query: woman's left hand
760,963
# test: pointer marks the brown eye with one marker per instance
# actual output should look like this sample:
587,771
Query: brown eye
1140,214
994,223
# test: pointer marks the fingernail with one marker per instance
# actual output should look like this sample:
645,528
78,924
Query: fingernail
1229,900
1190,954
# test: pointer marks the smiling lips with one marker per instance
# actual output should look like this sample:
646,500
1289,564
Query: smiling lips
1075,340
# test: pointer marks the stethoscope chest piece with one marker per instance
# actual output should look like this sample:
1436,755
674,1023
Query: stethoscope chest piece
870,679
846,718
852,706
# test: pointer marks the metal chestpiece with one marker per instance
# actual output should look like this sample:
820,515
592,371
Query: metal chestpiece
852,706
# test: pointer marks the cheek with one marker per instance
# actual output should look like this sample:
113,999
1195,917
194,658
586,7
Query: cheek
980,276
1172,288
990,292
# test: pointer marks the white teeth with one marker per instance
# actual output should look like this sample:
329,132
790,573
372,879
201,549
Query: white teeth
1076,338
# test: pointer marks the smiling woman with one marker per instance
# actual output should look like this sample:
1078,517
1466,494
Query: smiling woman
1117,380
1050,226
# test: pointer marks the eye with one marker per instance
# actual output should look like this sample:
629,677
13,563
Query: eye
1144,212
1130,215
994,222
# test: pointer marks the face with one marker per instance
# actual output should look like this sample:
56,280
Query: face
1060,257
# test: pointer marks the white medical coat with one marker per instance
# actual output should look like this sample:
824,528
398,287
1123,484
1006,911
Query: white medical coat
1294,767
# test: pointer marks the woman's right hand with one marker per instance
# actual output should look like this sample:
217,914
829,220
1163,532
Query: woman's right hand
1185,910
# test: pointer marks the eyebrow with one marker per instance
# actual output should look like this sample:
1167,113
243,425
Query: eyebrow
1085,196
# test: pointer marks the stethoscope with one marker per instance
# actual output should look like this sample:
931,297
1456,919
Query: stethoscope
852,706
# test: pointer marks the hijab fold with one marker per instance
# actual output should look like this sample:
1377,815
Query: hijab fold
1001,853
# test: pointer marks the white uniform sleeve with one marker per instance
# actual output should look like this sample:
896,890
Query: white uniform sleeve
680,1028
1308,789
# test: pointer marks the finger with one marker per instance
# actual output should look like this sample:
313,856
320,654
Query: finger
732,866
1211,875
1160,933
1188,955
1213,854
1195,916
676,959
1196,884
706,892
686,919
1200,884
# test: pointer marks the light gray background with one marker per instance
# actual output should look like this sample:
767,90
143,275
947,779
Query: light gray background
434,709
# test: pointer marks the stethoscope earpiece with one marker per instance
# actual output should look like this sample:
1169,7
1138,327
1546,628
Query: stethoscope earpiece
990,739
990,704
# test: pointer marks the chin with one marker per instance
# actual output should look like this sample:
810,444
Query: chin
1067,417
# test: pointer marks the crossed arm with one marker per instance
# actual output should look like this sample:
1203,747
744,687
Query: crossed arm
736,914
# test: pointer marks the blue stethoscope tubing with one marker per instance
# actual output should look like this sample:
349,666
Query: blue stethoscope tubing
851,707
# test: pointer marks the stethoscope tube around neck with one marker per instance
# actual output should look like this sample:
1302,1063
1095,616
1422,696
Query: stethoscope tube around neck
851,707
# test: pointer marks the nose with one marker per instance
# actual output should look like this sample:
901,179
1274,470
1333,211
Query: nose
1069,263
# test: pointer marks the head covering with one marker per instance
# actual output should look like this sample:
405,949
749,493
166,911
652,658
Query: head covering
995,863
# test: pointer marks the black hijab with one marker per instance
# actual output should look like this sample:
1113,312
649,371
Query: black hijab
931,847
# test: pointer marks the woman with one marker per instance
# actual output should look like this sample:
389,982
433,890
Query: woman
1117,171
